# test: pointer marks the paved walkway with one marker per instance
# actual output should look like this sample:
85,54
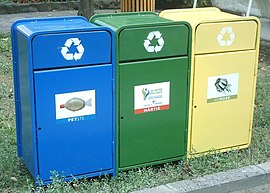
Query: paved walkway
265,29
7,20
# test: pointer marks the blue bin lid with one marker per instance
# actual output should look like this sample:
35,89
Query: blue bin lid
47,25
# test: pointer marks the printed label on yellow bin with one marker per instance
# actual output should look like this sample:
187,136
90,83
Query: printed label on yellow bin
222,88
151,97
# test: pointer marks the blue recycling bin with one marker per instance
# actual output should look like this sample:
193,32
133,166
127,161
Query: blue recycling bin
64,81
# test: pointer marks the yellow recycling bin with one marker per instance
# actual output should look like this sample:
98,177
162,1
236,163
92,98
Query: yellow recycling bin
223,78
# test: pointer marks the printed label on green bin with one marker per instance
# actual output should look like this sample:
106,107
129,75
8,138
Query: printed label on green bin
222,88
151,97
75,106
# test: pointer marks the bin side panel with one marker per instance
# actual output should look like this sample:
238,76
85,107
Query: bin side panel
223,100
156,133
74,141
24,113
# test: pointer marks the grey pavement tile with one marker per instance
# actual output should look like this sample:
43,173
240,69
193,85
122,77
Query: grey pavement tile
258,189
265,29
265,166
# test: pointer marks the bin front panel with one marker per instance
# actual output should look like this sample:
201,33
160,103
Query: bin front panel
223,100
153,110
225,36
153,42
74,120
71,49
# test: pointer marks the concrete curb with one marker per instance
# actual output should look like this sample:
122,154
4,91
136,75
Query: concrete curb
232,180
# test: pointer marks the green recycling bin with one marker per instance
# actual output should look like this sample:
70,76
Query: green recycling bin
152,78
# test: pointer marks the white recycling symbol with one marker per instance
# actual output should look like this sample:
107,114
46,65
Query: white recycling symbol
226,42
147,43
72,56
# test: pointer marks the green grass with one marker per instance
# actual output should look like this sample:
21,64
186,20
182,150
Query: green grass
15,178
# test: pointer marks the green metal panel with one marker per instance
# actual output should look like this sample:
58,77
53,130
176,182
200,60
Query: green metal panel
148,138
158,135
132,40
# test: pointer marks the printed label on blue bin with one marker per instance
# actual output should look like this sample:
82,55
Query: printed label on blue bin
222,88
75,106
151,97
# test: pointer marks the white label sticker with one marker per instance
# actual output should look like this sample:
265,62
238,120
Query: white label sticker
223,87
151,97
75,106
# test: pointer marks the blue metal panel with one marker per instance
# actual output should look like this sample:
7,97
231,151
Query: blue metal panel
26,144
24,100
15,59
95,45
74,145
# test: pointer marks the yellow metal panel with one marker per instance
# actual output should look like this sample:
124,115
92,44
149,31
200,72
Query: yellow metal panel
225,36
227,122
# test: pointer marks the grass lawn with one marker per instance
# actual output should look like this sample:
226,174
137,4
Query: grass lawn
14,177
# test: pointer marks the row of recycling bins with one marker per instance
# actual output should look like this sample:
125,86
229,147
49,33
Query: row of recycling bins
132,90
